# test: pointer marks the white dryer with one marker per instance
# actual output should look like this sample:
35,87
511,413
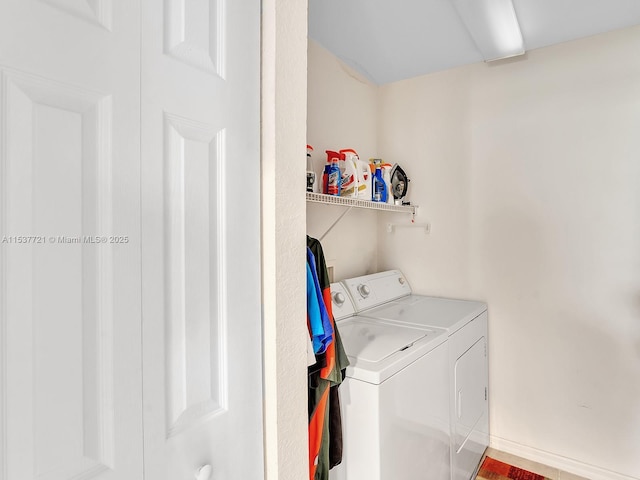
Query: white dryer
394,399
465,323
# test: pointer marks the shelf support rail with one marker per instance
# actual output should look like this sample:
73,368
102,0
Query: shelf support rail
335,223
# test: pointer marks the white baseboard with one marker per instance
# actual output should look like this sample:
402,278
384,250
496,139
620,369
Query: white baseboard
551,459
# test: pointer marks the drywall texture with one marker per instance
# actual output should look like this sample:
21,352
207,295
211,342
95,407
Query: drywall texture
283,91
424,127
529,171
342,113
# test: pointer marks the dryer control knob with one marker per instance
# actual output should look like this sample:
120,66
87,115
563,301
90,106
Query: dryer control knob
338,298
363,290
401,280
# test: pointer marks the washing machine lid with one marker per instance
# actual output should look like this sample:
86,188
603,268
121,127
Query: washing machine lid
445,313
373,342
377,350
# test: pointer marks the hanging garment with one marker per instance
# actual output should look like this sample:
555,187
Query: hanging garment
317,316
325,423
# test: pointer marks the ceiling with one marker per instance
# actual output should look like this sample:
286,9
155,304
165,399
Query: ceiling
390,40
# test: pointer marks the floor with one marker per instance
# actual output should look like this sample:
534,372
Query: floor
540,469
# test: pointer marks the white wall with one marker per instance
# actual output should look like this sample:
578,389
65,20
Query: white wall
283,92
529,171
424,127
342,113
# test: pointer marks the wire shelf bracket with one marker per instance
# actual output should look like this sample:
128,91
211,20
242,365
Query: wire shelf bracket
357,203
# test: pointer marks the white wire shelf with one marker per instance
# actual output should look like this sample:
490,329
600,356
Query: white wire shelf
358,203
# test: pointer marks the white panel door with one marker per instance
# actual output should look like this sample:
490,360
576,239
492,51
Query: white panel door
200,243
70,323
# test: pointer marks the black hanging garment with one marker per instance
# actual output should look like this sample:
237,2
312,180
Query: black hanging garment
325,422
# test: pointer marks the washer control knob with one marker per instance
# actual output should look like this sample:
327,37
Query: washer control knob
338,298
401,280
364,290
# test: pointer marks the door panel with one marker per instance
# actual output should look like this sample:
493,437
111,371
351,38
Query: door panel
70,326
60,288
201,282
195,379
470,413
70,407
470,387
194,33
98,12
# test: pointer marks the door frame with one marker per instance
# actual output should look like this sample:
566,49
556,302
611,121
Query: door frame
283,135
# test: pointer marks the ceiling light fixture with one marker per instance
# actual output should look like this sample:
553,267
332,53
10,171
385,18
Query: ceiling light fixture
494,27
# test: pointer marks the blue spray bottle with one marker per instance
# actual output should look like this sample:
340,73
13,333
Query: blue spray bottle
334,176
378,185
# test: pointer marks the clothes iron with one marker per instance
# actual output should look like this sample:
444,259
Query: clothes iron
399,183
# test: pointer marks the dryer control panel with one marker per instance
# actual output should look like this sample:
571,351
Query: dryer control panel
372,290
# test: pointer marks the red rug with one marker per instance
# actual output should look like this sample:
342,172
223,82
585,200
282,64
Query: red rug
492,469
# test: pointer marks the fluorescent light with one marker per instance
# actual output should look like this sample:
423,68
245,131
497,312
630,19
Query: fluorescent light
493,25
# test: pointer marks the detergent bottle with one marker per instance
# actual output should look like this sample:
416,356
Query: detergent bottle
364,179
349,186
386,176
334,176
378,185
325,172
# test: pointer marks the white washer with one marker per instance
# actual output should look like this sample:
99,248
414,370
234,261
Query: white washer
465,323
394,399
